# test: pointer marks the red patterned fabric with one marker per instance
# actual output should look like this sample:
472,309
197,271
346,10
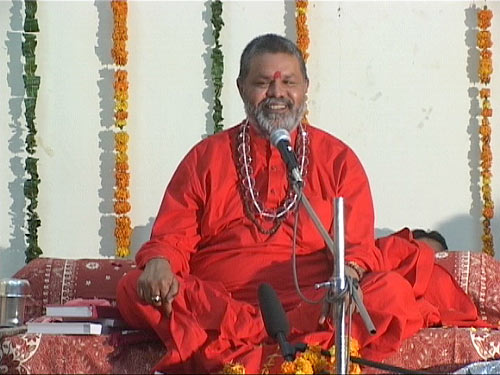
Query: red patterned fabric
57,281
438,349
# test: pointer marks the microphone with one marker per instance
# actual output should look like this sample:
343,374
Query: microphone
275,320
280,138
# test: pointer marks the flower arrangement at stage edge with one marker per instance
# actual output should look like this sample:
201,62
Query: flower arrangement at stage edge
31,86
484,44
217,63
123,228
313,361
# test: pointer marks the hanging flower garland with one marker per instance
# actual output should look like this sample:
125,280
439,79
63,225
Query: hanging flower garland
302,29
31,85
123,227
217,63
484,44
314,360
302,33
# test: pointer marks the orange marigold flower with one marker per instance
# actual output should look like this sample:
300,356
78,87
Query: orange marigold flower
121,115
485,130
121,166
122,194
487,112
484,39
484,17
122,207
121,75
123,222
484,93
488,212
122,180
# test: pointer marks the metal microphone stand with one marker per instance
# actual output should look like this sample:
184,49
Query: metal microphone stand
341,289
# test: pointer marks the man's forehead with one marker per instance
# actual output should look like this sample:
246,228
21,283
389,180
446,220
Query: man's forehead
275,65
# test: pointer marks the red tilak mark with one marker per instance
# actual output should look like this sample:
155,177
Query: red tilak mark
277,74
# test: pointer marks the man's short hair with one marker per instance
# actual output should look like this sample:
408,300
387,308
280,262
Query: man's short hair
269,43
433,235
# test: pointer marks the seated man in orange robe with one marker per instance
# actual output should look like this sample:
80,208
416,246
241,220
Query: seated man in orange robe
227,224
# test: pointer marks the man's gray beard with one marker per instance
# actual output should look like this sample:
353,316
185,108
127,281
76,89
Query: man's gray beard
267,123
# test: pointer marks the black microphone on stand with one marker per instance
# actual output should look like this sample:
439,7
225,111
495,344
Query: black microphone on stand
275,320
280,138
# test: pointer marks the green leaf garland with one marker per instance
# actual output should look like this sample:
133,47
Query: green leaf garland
31,86
217,64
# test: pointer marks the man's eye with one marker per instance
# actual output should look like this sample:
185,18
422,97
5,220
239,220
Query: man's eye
290,83
262,84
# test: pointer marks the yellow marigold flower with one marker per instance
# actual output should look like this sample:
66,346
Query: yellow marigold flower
121,123
288,367
303,366
123,241
122,252
121,157
233,368
121,106
121,96
121,137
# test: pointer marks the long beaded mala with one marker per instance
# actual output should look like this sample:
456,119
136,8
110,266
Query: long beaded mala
253,206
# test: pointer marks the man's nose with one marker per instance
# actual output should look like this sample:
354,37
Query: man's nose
276,89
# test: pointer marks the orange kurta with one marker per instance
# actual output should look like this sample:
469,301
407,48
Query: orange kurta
221,258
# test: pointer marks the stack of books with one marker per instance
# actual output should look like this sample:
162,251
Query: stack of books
79,320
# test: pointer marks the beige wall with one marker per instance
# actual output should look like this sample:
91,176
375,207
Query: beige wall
392,79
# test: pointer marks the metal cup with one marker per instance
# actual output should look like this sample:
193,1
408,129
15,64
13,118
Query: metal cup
13,295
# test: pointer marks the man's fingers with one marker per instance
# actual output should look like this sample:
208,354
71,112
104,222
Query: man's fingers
325,309
172,292
167,308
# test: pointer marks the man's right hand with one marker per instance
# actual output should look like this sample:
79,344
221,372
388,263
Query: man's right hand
158,285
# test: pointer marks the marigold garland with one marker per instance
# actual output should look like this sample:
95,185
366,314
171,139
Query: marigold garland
31,85
313,361
217,64
484,42
302,29
123,228
302,33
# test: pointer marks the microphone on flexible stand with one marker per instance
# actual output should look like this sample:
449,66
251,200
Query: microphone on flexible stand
275,320
280,138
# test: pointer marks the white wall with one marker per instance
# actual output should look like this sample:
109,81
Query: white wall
392,79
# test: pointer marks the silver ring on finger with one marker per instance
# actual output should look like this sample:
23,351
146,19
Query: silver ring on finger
156,299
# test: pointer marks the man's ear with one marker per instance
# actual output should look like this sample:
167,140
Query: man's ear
240,86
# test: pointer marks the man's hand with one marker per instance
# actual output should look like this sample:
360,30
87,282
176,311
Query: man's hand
158,285
326,311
